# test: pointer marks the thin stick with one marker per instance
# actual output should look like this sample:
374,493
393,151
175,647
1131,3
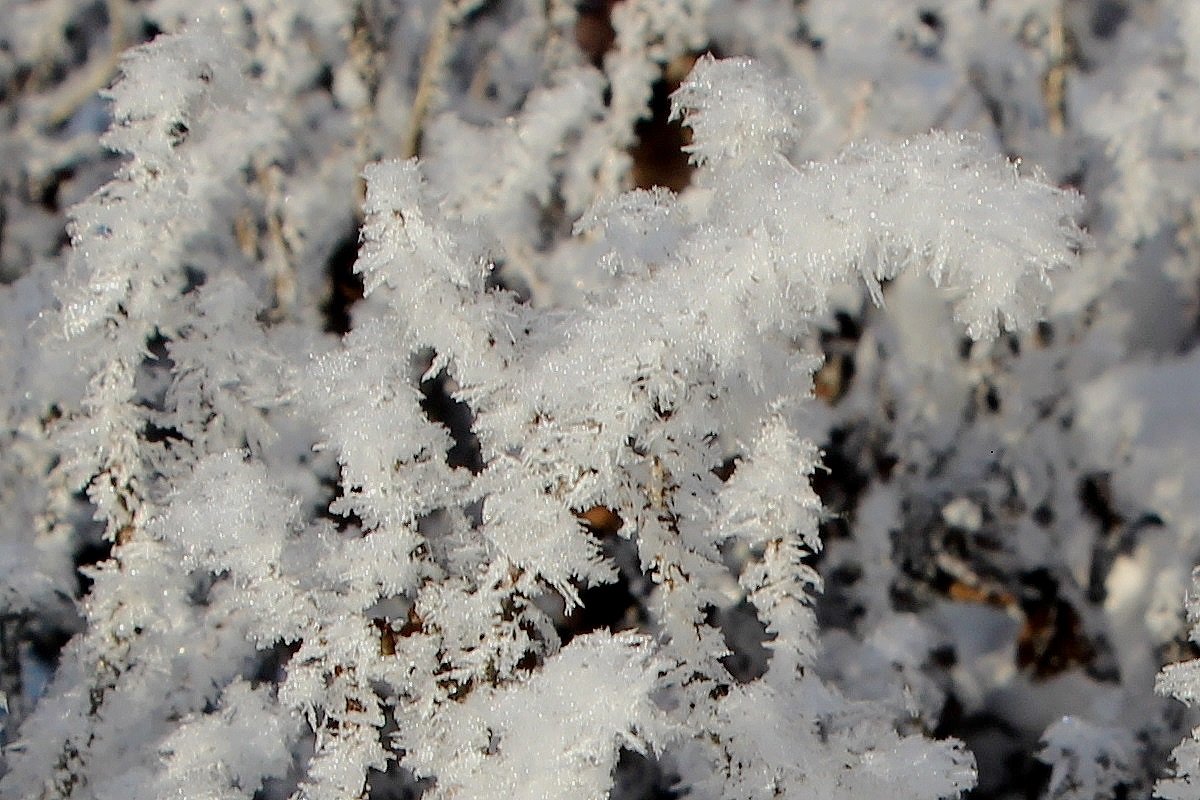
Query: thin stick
1056,75
431,69
81,90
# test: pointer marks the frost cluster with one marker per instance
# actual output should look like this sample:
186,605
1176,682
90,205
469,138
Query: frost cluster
384,418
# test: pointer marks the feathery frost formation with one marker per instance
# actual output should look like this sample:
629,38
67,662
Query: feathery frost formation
548,510
413,619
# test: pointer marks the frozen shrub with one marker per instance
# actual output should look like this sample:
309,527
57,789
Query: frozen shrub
406,447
